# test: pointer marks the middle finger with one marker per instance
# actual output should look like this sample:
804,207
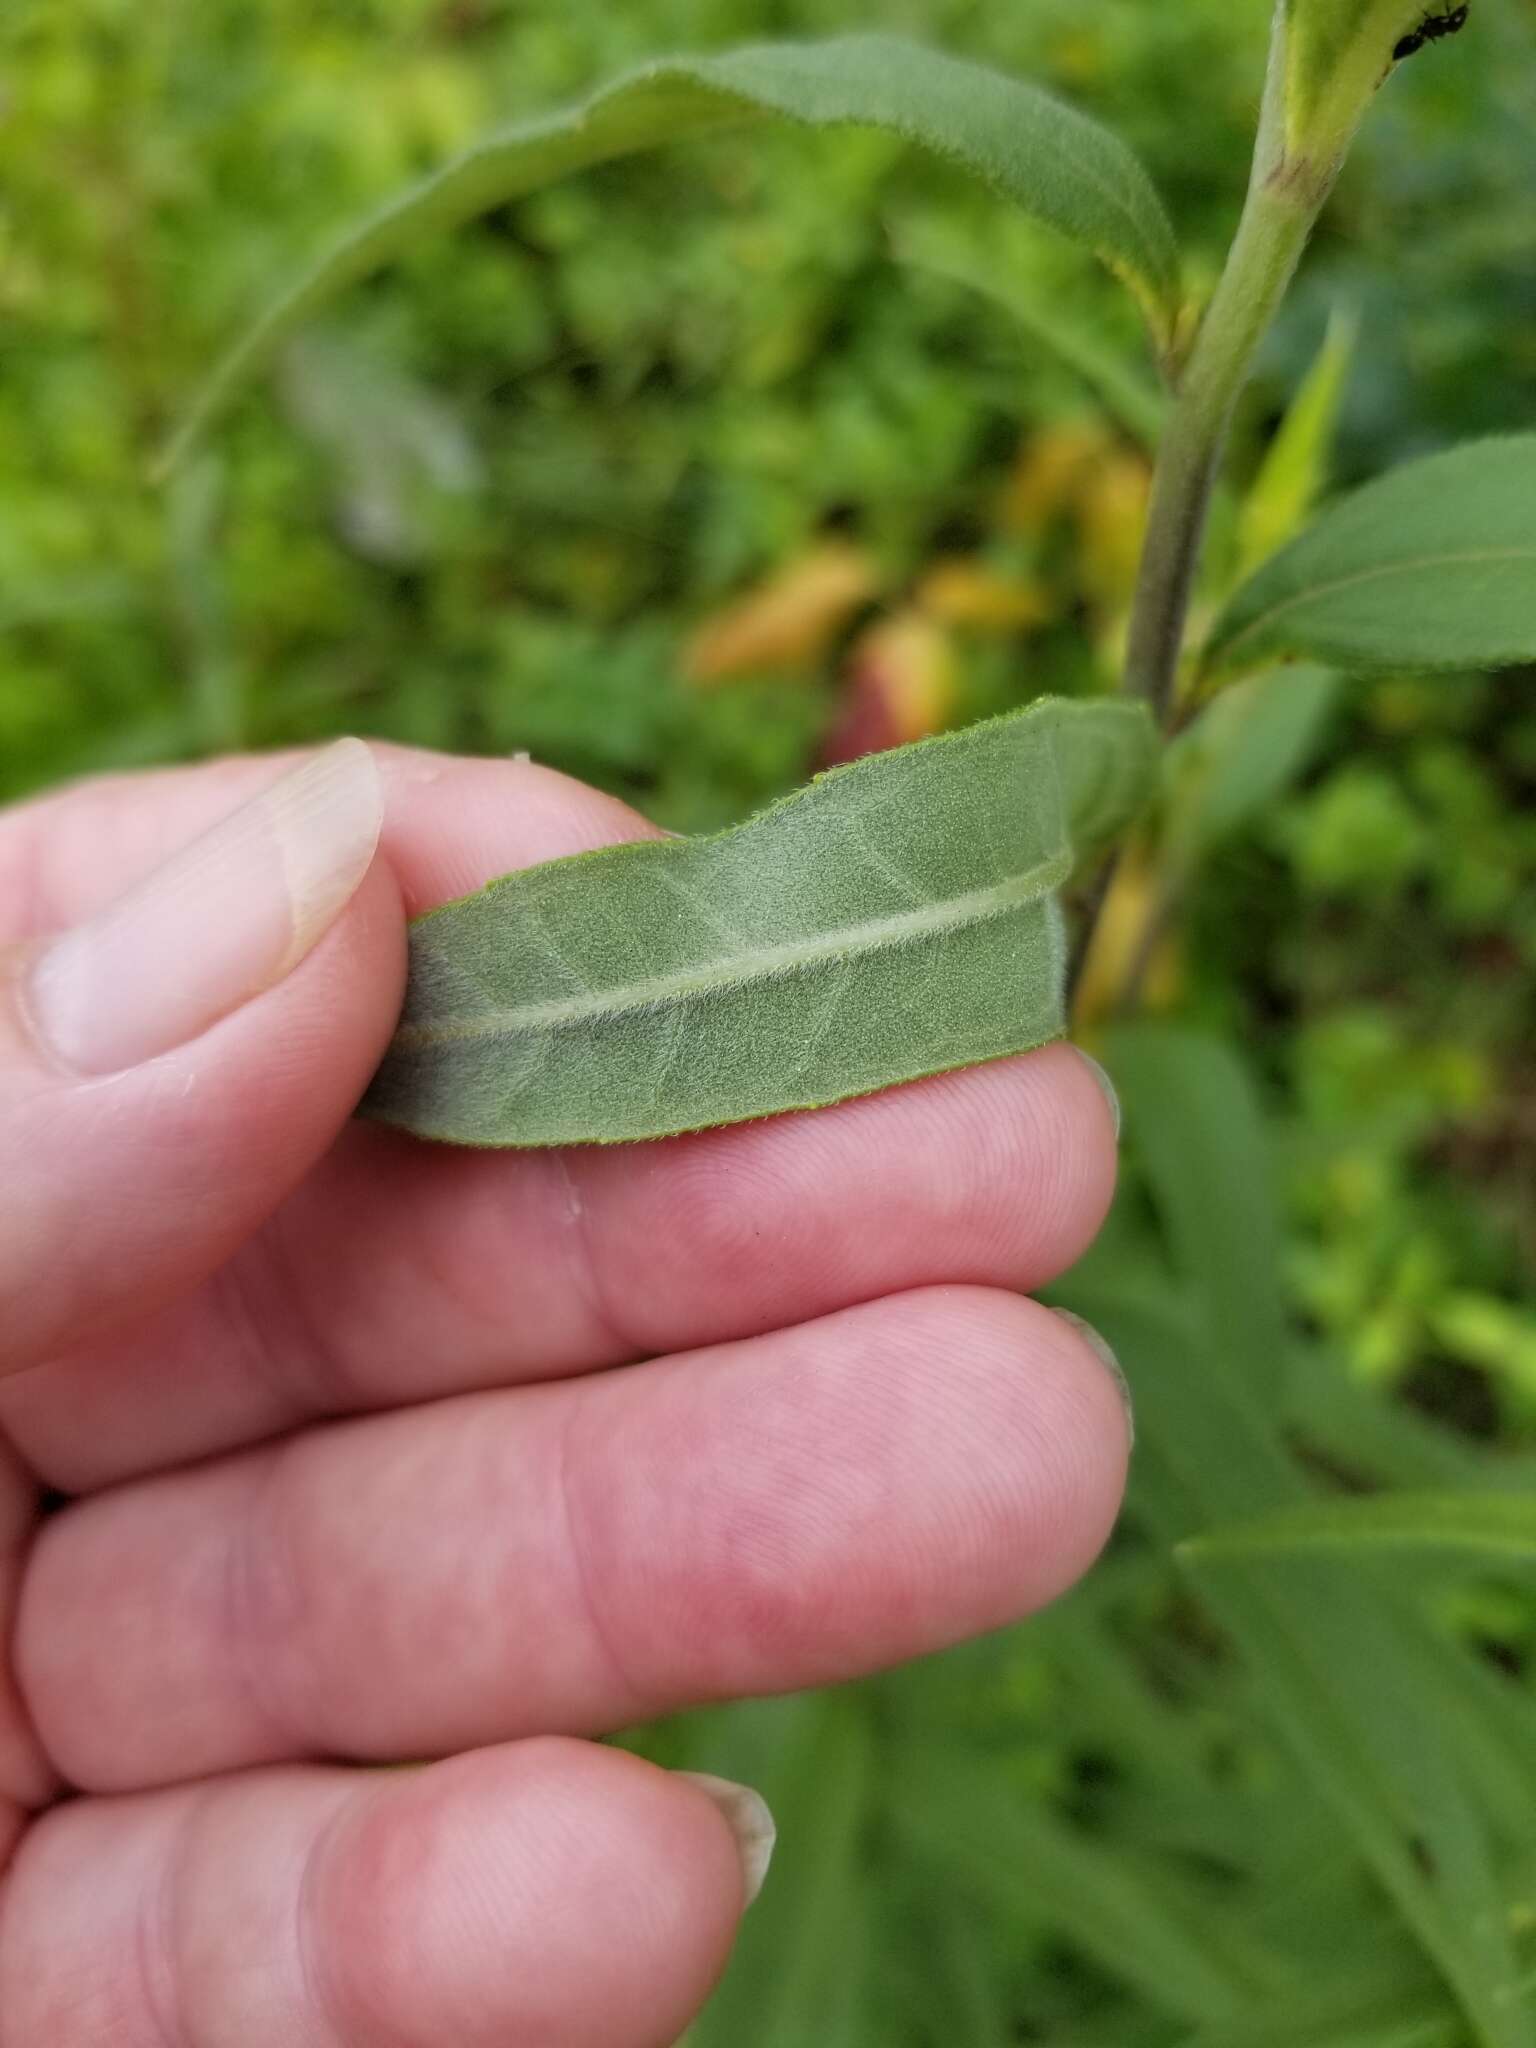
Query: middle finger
786,1511
404,1272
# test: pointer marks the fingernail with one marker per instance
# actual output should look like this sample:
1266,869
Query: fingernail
1107,1359
1110,1092
217,923
747,1816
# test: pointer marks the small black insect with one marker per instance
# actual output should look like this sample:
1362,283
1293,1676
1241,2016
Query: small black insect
1431,30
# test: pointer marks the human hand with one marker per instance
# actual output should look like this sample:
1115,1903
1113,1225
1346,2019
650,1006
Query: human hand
351,1475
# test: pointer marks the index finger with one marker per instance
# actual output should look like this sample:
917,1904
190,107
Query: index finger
402,1272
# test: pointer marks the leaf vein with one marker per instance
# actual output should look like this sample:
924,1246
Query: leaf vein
1379,572
976,906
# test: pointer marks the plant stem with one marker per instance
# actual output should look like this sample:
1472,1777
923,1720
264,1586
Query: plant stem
1286,194
1277,220
1284,200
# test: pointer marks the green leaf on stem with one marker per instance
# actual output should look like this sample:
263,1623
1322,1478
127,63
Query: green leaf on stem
1496,1527
896,918
1296,466
1131,398
1055,163
1431,567
1243,753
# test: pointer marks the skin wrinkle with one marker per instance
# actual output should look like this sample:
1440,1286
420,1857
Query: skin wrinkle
333,2001
263,1606
24,1228
321,1990
23,895
465,1270
30,1779
578,1551
586,1268
157,1936
326,1376
273,1365
349,1883
713,1208
455,1263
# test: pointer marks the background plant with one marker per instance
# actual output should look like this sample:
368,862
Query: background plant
1183,1783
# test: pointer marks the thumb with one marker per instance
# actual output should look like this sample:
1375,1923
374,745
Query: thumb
170,1068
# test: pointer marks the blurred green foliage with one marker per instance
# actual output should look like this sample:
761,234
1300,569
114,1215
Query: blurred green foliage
487,506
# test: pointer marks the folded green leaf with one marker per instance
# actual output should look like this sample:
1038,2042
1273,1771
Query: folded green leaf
1054,162
1432,566
1493,1526
896,918
1298,461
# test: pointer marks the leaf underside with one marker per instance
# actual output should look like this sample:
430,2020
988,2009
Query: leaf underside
1055,163
896,918
1433,566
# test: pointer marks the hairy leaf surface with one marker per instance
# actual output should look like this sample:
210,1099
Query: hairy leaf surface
1054,162
1432,566
896,918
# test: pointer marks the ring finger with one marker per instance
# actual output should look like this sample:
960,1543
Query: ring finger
547,1895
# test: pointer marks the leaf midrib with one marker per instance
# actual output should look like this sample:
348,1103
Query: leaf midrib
944,914
1379,572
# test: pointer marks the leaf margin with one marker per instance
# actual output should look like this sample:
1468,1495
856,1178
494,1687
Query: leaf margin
1101,772
469,184
1240,622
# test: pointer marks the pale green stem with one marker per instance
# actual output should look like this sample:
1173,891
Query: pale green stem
1284,200
1285,197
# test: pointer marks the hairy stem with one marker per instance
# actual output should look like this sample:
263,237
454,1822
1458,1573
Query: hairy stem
1276,223
1284,200
1286,193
